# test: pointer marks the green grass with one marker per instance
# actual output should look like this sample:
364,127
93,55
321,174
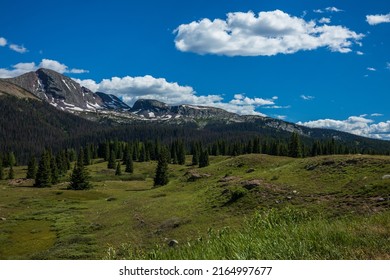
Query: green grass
330,207
284,234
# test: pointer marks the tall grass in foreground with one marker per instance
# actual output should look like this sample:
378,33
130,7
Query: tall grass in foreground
283,234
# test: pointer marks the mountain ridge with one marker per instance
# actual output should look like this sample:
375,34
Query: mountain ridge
67,95
64,93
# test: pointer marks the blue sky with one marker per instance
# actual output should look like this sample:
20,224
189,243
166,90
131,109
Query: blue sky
319,63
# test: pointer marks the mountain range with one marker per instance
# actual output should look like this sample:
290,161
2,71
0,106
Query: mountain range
67,95
45,103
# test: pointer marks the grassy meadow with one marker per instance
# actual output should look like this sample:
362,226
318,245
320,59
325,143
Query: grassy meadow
244,207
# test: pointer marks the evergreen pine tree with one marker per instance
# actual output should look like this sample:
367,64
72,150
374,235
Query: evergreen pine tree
126,153
11,173
31,168
106,151
295,146
129,165
43,177
204,159
119,154
195,156
215,149
135,152
142,153
161,177
112,160
79,180
118,170
181,154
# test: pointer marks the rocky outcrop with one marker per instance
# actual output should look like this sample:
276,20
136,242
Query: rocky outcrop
64,93
154,109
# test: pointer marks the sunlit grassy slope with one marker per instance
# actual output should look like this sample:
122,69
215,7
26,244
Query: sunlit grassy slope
245,207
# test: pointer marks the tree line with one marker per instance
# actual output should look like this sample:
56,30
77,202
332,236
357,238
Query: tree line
51,167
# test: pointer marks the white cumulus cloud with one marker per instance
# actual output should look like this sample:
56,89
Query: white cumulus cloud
324,20
262,34
359,125
17,69
53,65
377,19
130,89
333,10
372,69
3,42
328,9
21,68
240,99
17,48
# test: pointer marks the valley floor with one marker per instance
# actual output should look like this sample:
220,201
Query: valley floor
245,207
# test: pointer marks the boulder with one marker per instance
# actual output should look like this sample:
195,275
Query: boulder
251,184
194,176
384,177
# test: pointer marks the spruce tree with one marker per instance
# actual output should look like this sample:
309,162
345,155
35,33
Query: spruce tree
79,180
142,154
106,151
161,177
204,159
126,153
295,146
129,164
195,156
31,168
181,154
118,170
111,160
43,177
134,152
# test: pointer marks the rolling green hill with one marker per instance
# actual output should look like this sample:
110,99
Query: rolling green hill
244,207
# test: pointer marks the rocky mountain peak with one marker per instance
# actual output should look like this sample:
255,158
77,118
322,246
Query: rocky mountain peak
65,93
150,104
